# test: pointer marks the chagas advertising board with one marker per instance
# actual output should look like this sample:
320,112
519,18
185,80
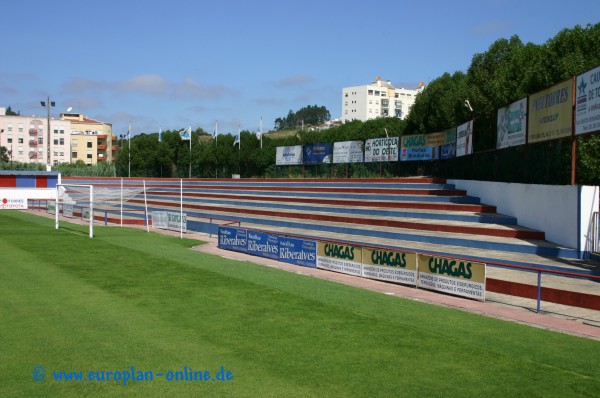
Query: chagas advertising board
339,257
458,277
389,265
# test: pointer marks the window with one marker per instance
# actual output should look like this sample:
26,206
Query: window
9,126
56,141
62,154
55,153
20,140
62,131
9,140
74,144
346,95
74,155
377,93
89,155
89,144
370,92
61,141
396,95
20,126
383,93
40,140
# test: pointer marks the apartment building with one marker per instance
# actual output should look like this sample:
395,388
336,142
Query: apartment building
377,99
92,141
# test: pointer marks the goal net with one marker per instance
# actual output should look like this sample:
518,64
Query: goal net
79,201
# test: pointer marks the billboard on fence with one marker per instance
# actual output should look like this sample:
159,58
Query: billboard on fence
17,202
316,153
451,135
348,152
389,265
263,245
447,151
414,140
418,153
339,257
298,251
231,238
587,107
458,277
464,139
169,220
512,124
381,150
550,114
288,155
436,139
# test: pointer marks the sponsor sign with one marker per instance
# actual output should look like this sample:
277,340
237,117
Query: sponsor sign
348,152
339,257
416,140
587,105
550,113
288,155
389,265
464,139
447,151
231,238
68,210
512,124
263,245
382,150
437,139
13,203
298,251
316,153
458,277
418,153
169,220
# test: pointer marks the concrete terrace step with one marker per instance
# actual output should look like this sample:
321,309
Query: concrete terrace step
352,207
414,210
388,220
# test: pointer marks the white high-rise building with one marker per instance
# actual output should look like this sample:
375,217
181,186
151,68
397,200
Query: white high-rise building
378,99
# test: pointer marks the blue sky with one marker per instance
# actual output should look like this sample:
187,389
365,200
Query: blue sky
196,62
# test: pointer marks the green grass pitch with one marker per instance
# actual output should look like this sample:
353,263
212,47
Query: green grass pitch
127,298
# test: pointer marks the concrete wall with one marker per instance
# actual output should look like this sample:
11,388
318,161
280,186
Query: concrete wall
563,212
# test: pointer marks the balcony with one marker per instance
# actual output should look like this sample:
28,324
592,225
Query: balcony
33,143
33,155
115,147
101,160
33,132
102,136
102,147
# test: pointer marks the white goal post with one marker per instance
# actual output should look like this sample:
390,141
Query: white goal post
69,194
87,198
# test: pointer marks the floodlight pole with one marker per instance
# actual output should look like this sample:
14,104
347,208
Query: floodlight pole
48,104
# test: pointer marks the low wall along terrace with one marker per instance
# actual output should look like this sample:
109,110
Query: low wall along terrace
447,275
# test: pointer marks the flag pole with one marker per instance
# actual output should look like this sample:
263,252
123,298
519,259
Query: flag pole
129,149
261,132
190,151
216,147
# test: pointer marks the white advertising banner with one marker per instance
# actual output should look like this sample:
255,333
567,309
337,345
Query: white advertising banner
288,155
348,152
382,149
169,220
13,202
464,139
587,108
512,124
